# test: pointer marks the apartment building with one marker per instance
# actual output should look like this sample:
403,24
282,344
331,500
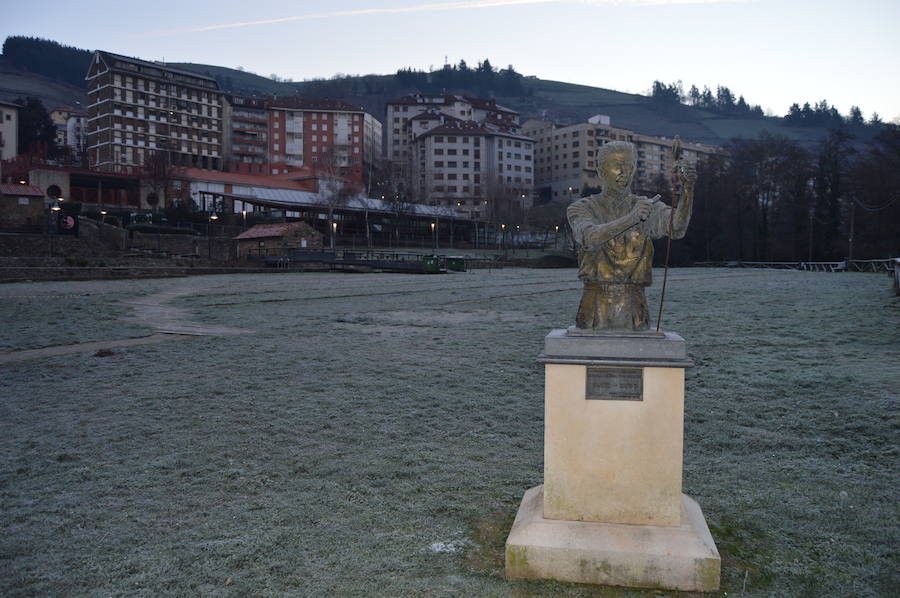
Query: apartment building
137,108
480,169
565,156
324,135
9,130
401,110
246,134
71,127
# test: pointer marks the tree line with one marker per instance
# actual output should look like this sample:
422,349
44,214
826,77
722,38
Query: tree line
724,102
48,58
771,199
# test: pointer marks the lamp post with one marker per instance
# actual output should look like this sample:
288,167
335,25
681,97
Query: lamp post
433,237
212,218
333,233
100,224
244,215
503,236
556,237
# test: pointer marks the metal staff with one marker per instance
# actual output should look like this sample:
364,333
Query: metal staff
676,170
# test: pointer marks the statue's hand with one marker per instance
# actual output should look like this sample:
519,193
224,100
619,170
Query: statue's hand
641,210
687,174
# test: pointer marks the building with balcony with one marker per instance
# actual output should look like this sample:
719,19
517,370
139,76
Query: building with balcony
325,135
246,134
565,156
137,108
400,111
483,170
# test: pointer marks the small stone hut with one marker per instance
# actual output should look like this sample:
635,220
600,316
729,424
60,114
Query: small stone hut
21,207
277,239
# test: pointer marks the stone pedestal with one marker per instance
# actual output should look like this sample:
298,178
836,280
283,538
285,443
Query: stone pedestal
611,509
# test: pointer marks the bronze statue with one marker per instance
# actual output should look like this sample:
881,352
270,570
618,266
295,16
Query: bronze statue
613,230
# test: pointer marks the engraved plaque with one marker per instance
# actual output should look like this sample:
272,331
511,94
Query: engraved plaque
615,384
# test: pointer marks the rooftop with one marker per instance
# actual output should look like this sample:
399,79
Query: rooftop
266,231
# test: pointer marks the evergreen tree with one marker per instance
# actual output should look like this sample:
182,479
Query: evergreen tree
694,95
36,130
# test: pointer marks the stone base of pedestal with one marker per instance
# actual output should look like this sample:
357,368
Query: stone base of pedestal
642,556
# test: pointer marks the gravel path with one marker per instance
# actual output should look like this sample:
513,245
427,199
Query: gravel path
169,323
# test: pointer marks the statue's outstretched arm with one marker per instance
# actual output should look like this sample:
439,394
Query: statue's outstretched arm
589,233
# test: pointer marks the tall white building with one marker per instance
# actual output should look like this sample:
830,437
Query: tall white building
460,152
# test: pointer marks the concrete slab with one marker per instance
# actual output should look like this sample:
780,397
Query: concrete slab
639,349
642,556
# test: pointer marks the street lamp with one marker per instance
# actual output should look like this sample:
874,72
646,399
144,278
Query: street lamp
100,224
333,232
244,215
433,237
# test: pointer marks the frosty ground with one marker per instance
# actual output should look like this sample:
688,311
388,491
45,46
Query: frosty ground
373,434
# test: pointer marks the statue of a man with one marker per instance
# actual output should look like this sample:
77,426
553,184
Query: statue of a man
614,230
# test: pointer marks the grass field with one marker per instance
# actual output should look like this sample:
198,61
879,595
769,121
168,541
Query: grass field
373,436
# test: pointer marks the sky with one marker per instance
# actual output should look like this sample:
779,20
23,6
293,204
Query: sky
772,52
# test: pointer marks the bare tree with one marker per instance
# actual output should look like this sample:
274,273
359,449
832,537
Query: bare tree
334,191
158,172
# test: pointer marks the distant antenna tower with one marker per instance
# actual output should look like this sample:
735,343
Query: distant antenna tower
446,62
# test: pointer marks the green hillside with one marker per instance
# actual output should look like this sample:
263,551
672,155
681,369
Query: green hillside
54,73
239,82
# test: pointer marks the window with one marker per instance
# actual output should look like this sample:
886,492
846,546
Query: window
451,152
451,176
451,164
465,164
276,147
438,164
438,152
451,139
438,139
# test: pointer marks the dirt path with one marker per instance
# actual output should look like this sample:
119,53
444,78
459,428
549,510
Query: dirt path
169,323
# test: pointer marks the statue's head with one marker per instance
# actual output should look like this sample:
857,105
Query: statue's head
616,164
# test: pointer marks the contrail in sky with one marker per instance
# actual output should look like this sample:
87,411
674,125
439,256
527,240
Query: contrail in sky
434,7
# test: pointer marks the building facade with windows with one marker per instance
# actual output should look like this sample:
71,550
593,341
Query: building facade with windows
460,152
137,108
71,127
566,156
329,136
9,130
483,171
400,111
246,135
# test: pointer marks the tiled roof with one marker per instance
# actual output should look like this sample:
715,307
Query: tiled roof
471,127
20,190
280,181
312,104
155,65
266,231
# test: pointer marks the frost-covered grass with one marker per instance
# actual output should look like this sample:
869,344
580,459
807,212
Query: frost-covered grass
375,434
